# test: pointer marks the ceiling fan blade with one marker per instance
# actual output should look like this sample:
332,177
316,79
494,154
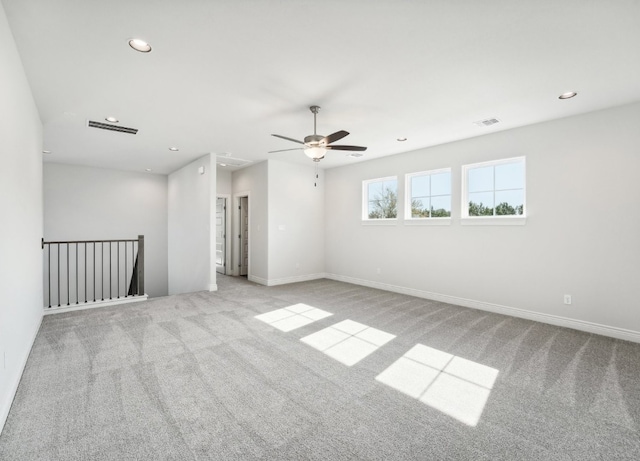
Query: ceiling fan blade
288,139
356,148
284,150
334,137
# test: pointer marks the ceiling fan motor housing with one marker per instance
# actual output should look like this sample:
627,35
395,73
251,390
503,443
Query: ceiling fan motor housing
313,139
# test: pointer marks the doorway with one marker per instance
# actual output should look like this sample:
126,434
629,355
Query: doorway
243,236
221,235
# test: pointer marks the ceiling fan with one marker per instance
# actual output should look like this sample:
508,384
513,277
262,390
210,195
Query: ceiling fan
315,145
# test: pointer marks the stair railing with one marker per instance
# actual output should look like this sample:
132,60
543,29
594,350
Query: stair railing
85,271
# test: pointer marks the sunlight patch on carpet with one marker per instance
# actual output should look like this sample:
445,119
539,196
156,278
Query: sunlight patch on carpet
455,386
348,342
292,317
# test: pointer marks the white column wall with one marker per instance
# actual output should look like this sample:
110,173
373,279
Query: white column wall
21,212
223,181
191,229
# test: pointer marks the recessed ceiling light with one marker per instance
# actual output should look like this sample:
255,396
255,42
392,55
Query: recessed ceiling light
112,119
567,95
402,139
46,151
174,149
148,170
223,164
139,45
355,154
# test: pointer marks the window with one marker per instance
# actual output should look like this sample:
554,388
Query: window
380,198
494,188
428,194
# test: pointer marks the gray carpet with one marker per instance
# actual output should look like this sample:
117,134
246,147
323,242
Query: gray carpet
198,377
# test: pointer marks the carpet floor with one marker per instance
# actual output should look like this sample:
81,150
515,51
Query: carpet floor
319,370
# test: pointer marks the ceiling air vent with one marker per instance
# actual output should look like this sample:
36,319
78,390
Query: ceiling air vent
109,127
487,122
228,160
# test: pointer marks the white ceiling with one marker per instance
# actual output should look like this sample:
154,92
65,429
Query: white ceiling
225,74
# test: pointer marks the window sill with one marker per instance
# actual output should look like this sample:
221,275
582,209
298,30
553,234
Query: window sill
494,221
427,221
379,222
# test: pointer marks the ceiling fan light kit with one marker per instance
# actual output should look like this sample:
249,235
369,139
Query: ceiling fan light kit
315,153
316,145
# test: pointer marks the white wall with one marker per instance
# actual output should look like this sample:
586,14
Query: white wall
223,181
296,222
192,208
84,203
21,211
252,180
581,236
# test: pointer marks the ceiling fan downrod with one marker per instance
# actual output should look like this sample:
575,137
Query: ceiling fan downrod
314,110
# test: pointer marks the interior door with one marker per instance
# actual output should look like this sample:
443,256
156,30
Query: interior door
244,235
221,234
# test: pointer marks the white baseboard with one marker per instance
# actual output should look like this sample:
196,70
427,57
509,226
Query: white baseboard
258,280
213,287
286,280
94,304
589,327
295,279
5,406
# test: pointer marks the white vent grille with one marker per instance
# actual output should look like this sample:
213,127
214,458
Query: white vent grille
487,122
109,127
227,160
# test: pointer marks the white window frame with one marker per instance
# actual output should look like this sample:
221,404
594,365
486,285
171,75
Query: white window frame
441,220
495,219
365,202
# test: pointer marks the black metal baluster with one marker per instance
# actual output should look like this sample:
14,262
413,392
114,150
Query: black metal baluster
94,272
135,266
49,247
85,272
68,281
110,272
102,264
126,289
58,275
77,296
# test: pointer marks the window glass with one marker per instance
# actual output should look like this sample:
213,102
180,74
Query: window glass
495,188
381,198
480,179
510,176
441,184
420,186
428,194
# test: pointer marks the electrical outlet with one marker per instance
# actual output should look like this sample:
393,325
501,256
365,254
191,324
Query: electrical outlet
567,299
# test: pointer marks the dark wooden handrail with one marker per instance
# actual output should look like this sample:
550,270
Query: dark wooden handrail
89,241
